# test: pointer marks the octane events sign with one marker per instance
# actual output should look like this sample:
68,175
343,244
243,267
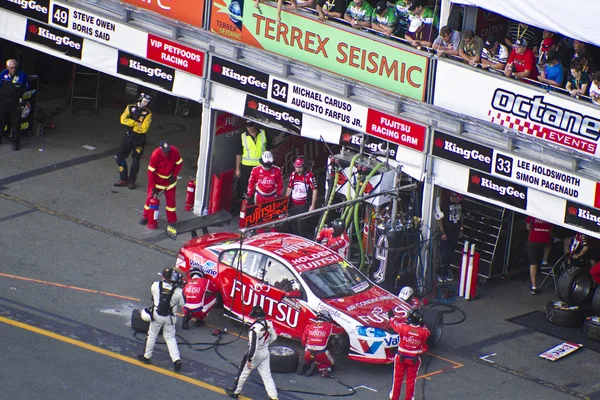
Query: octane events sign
322,45
175,55
187,11
561,121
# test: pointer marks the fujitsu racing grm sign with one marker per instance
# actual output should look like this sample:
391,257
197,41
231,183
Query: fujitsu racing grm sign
239,77
37,10
53,38
462,152
492,187
145,70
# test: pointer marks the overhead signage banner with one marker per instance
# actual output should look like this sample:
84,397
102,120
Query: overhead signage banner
175,55
45,35
239,77
497,189
98,28
462,152
273,114
582,216
145,70
325,46
556,119
396,130
372,145
187,11
35,9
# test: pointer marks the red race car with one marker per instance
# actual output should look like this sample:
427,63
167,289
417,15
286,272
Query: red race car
293,278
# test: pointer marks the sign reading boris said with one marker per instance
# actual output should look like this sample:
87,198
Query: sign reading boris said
53,38
175,55
98,28
362,58
36,9
555,118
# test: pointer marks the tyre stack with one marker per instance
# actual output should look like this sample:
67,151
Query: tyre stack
591,325
575,288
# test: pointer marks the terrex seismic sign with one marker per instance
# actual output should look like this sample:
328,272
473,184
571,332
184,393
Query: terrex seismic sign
462,152
175,55
145,70
322,45
36,9
187,11
239,77
273,114
524,108
582,216
498,189
396,130
373,145
53,38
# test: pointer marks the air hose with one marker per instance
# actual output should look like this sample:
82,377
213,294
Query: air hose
331,196
348,193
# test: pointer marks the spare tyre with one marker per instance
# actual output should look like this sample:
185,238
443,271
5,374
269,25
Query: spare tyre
561,314
574,286
596,302
283,359
591,328
137,323
434,321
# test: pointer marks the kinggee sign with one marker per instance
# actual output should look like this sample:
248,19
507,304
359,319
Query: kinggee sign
36,9
47,36
582,216
273,114
462,152
145,70
372,144
492,187
322,45
239,77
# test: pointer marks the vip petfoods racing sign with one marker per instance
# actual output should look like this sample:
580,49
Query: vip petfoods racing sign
557,119
322,45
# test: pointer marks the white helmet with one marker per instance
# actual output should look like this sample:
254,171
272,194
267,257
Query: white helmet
406,293
266,158
146,314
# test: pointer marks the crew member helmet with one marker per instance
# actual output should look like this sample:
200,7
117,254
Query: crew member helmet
146,314
338,226
266,159
406,293
299,163
415,316
324,316
147,96
196,273
257,312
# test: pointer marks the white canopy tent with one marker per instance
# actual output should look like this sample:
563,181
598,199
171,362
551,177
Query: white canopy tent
577,19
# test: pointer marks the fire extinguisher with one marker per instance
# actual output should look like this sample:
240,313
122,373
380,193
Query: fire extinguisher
190,195
154,205
243,213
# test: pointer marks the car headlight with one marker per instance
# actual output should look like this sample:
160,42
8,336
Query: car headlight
370,331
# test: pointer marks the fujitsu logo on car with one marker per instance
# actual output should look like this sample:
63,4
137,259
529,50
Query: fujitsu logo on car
550,115
30,5
59,40
158,72
285,116
502,190
466,154
243,79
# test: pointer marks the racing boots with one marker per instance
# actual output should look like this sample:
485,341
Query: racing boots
121,184
231,393
185,324
143,359
301,366
143,221
177,365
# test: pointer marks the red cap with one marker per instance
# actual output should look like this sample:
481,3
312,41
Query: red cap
547,43
299,162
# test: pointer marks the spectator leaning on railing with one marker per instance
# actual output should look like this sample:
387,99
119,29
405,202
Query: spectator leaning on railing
359,14
494,54
447,42
521,62
384,19
553,73
422,22
402,15
470,48
594,89
330,9
578,81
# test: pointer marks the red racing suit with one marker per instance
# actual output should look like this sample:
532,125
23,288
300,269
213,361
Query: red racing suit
200,296
411,344
339,243
162,167
315,339
300,184
266,184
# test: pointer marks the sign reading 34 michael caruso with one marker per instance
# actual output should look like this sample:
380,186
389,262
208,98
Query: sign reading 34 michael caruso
145,70
552,117
273,114
494,188
322,45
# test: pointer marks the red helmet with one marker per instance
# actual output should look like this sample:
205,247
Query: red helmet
299,162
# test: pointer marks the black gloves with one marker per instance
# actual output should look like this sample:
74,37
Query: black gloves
391,313
172,179
155,191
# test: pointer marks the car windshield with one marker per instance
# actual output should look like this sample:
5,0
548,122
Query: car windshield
336,280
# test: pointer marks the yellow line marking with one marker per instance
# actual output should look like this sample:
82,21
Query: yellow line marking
117,356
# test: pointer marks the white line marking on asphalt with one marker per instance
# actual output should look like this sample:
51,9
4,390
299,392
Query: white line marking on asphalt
365,387
87,146
485,358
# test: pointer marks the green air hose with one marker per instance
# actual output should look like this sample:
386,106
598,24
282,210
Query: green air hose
348,196
331,196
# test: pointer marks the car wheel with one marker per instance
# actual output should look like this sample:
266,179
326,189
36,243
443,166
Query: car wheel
561,314
339,344
596,302
574,286
434,321
591,328
137,323
283,359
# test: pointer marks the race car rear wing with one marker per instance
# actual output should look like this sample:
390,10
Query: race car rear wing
193,225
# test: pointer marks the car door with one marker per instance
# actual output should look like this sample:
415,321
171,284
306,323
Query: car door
240,281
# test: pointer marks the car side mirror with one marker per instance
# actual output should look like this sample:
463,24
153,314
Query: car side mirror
294,294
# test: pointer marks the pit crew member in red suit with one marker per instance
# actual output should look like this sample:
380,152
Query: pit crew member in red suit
408,295
411,344
200,297
265,183
315,339
301,182
163,167
335,238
